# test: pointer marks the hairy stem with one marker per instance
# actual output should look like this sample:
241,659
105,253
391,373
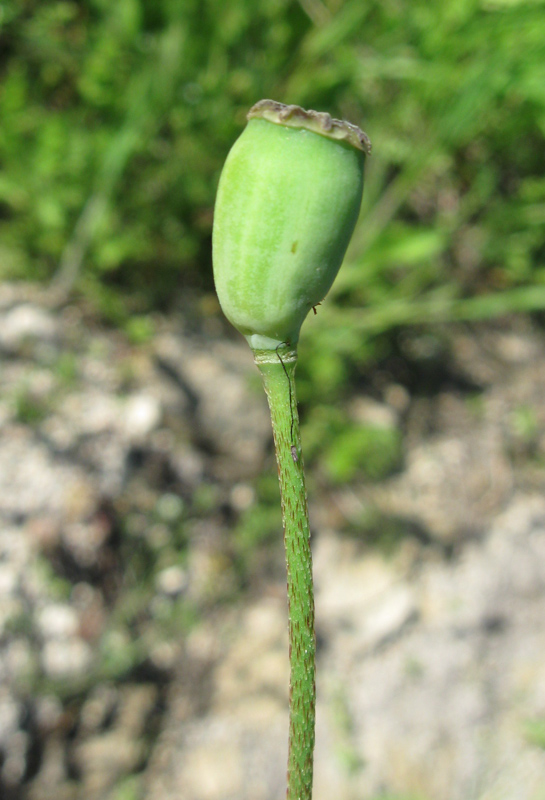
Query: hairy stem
277,368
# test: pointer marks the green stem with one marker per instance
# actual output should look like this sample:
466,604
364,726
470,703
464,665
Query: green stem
277,369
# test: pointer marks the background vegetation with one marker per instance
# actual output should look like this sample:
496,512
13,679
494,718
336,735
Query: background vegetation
117,117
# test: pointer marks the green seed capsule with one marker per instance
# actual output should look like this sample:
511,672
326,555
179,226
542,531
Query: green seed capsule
287,203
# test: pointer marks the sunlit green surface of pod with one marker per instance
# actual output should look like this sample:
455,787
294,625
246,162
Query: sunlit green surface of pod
287,203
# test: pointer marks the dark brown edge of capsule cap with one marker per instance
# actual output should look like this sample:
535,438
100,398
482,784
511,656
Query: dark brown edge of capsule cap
316,121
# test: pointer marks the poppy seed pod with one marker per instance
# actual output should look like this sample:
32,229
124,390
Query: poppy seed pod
287,203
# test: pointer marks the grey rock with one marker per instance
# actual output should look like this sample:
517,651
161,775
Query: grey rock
10,712
102,759
141,415
435,679
172,580
451,486
24,323
216,378
57,621
66,659
33,482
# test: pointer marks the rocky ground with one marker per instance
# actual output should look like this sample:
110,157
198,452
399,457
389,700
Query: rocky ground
143,648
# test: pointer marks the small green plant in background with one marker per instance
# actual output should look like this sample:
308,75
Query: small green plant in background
29,407
534,732
287,204
348,449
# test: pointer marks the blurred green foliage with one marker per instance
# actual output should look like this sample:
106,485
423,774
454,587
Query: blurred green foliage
349,449
116,119
535,732
29,408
